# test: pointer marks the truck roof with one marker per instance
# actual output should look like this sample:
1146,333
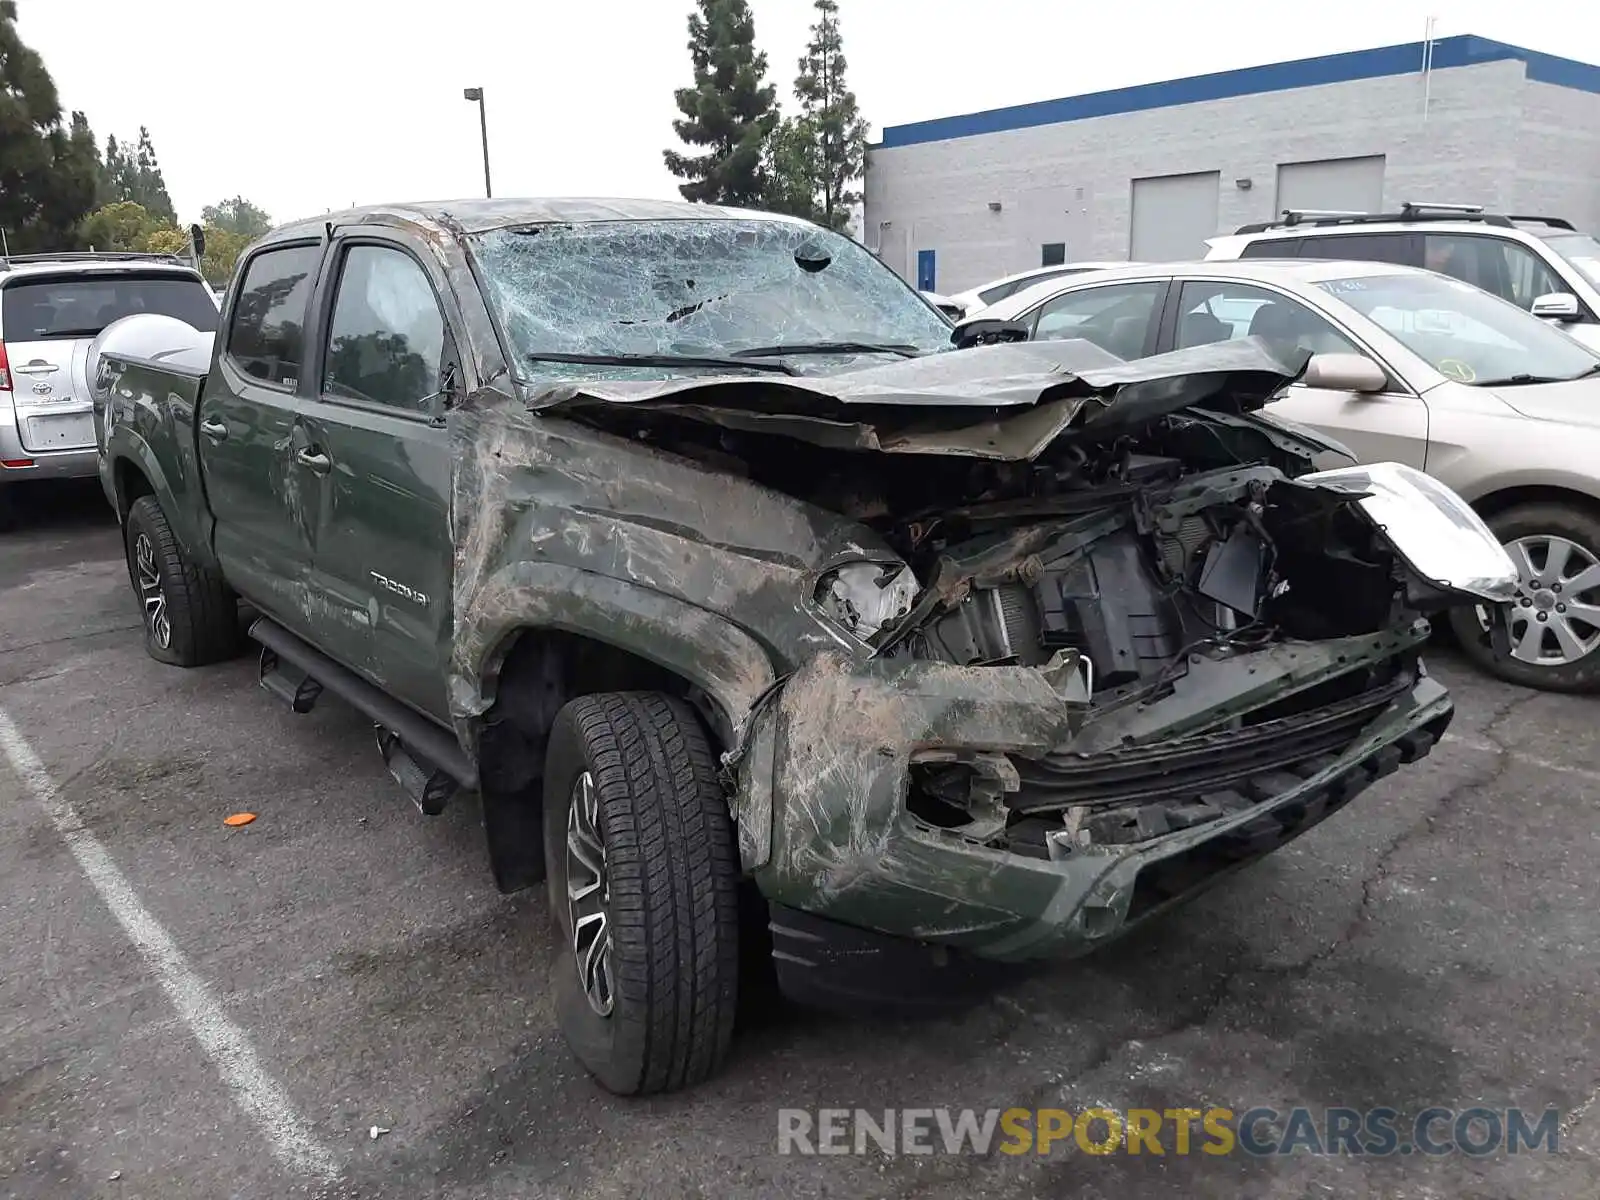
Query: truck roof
479,215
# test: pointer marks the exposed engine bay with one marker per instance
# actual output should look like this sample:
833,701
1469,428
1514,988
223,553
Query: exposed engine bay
1230,626
1130,550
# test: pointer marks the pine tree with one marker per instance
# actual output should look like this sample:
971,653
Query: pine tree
152,188
828,104
46,183
793,169
731,109
134,174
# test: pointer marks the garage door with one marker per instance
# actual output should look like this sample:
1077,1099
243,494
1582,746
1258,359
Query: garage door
1333,184
1173,215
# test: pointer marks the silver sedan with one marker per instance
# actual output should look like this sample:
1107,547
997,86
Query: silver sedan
1408,366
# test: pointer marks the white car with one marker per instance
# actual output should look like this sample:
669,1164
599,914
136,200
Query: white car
1407,366
1542,264
968,303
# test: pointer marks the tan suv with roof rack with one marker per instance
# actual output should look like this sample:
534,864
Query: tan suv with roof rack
1542,264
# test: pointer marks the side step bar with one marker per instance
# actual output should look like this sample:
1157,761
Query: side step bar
422,739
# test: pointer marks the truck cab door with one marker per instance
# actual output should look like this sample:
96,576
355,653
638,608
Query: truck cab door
372,442
244,421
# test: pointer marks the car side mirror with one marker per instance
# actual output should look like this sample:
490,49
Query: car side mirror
1557,306
978,332
1344,373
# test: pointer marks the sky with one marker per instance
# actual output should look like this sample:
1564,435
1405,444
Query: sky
302,106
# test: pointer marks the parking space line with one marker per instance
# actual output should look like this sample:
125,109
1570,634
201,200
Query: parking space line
292,1142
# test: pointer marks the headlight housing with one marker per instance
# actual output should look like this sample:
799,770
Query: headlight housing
862,598
1434,530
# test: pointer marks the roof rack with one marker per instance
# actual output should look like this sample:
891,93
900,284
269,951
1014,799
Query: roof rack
1411,211
93,256
1553,222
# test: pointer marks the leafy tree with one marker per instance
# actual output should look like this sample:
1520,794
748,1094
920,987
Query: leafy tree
123,225
793,167
47,170
135,174
166,241
730,110
830,107
223,247
236,216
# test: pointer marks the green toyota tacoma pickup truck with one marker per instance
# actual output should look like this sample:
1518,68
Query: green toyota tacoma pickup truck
683,539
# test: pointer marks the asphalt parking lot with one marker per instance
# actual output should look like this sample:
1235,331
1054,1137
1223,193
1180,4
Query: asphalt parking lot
191,1010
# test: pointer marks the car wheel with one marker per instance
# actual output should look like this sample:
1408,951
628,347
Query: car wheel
1555,618
190,616
643,882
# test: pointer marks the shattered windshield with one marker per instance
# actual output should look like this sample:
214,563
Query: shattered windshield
696,290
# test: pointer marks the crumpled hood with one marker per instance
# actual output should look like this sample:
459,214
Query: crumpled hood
1005,401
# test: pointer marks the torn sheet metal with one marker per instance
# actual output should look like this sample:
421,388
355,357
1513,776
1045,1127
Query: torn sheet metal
561,526
923,405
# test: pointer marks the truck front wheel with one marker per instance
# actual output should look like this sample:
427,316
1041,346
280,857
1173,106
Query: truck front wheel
191,617
643,879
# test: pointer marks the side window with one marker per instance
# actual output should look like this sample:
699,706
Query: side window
1360,247
999,292
267,337
1115,318
386,340
1527,275
1224,312
1475,260
1272,248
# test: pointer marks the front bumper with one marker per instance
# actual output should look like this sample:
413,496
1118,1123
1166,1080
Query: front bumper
825,827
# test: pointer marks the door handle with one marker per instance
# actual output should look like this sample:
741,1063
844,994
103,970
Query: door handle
314,461
214,429
36,369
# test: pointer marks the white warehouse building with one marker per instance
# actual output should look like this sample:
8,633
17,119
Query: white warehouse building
1148,173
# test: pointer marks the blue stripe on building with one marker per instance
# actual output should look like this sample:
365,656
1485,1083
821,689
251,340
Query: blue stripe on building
1464,50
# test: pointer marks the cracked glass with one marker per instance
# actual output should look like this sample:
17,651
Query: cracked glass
693,288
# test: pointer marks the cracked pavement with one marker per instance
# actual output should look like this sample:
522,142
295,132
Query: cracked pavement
1435,943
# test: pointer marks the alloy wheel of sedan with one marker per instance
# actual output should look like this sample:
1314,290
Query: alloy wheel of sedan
152,592
1555,618
588,894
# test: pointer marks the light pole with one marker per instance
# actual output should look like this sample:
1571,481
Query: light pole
483,125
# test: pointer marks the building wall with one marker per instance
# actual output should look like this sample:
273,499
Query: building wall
1558,155
1072,181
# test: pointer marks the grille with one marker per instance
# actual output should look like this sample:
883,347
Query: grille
1229,768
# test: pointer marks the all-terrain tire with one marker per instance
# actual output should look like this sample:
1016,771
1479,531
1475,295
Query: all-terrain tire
1543,519
193,618
671,891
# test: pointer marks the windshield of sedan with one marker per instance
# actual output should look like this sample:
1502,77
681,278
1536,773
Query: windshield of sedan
667,289
1581,250
1463,333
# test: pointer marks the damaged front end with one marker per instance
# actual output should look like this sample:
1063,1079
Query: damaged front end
1099,642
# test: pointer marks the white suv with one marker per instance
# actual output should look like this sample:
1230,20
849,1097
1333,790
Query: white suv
1542,264
51,307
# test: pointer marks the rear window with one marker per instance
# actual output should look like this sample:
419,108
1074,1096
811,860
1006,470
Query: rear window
267,339
80,306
